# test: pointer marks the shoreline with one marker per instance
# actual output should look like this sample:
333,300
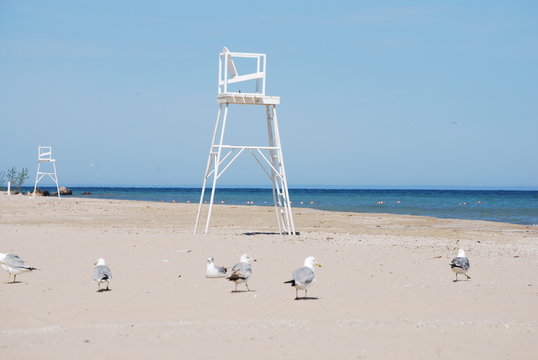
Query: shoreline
295,207
385,289
270,209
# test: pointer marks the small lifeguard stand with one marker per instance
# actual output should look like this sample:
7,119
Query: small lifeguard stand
269,156
44,157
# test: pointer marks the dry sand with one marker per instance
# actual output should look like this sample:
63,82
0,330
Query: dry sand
385,290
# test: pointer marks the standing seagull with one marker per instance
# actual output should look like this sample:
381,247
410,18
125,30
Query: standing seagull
214,271
241,272
460,264
13,264
304,276
101,274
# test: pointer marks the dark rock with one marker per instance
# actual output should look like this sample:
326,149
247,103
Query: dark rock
65,191
86,193
38,192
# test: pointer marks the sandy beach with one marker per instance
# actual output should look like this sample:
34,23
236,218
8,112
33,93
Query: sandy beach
385,290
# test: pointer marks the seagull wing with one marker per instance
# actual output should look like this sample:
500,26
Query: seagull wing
16,262
303,276
101,273
240,271
460,262
221,270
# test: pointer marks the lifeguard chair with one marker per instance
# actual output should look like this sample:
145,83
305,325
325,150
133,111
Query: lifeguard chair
269,156
44,157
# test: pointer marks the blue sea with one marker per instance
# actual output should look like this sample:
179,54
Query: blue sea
518,207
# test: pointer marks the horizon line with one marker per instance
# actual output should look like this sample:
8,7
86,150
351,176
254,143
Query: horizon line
324,187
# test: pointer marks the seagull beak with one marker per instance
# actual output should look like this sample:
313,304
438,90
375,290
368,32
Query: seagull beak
318,265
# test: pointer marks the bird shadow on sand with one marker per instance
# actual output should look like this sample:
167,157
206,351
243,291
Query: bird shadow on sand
103,290
14,282
307,298
461,280
241,291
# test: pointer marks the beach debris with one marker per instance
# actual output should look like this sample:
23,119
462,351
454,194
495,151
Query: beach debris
214,271
14,265
63,191
242,271
183,251
460,264
304,276
101,274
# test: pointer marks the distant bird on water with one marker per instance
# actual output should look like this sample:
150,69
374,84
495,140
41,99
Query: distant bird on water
460,264
101,274
303,277
13,264
241,272
214,271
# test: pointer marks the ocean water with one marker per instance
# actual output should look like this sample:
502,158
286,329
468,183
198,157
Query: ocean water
518,207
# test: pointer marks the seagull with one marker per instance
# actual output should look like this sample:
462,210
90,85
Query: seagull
460,264
304,276
13,264
241,272
214,271
101,274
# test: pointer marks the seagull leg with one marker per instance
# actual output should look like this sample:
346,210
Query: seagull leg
235,286
98,286
247,286
14,277
107,289
296,293
305,293
468,277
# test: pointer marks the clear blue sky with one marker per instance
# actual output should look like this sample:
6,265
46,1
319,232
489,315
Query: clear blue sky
382,93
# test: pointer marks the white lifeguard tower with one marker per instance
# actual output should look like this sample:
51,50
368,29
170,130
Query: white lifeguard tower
269,156
44,157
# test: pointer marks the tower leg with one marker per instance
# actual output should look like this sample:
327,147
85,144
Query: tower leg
280,186
274,180
216,164
285,192
277,174
56,179
210,162
36,179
